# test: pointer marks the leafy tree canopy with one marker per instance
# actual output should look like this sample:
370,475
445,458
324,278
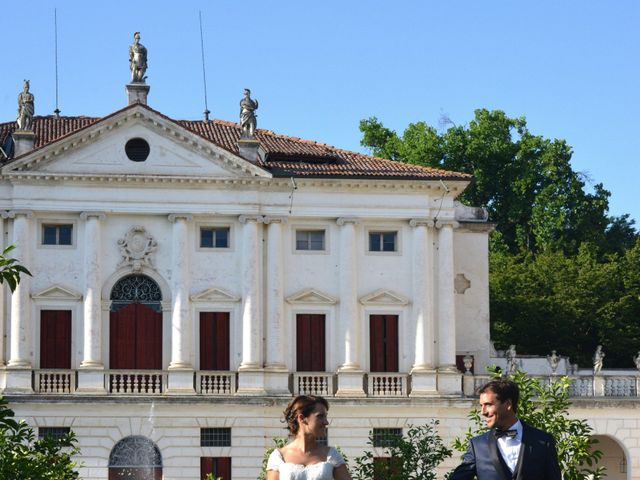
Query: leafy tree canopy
524,180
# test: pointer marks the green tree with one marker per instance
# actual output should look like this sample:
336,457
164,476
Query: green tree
23,457
524,180
10,269
413,456
546,406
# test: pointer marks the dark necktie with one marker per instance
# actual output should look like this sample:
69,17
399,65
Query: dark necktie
505,433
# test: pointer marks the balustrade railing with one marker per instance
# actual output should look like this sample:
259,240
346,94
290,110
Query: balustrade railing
54,381
387,384
619,386
146,382
216,383
313,383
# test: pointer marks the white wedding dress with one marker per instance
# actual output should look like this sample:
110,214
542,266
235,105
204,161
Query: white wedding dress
315,471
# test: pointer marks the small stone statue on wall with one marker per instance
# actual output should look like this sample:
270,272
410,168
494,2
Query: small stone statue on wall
553,360
636,360
248,121
511,359
598,359
137,60
26,108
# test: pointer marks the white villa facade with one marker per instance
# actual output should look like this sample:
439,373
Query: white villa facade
186,285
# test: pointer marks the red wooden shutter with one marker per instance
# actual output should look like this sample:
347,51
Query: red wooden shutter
122,338
383,343
214,340
55,339
310,343
148,338
217,466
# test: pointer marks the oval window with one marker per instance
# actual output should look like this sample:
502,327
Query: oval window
137,149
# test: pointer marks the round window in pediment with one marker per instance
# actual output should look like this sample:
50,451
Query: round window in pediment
137,149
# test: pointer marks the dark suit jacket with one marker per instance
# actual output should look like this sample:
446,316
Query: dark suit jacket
538,459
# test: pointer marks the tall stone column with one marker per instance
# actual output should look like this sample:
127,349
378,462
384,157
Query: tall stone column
423,373
449,379
181,369
276,375
350,374
21,334
92,308
3,315
21,342
251,374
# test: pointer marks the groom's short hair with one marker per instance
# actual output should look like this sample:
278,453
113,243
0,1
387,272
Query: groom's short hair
504,390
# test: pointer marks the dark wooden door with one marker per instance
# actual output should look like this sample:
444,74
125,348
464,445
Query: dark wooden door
214,341
55,339
310,343
217,466
383,343
135,338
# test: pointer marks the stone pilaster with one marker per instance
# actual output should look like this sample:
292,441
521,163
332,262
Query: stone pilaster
251,373
180,367
449,378
423,372
350,374
276,372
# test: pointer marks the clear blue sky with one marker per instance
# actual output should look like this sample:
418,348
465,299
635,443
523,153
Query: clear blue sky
572,67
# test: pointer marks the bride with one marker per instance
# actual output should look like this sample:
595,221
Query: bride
303,458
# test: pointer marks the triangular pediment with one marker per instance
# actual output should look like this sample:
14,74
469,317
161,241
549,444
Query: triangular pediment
384,297
214,295
99,150
57,292
311,295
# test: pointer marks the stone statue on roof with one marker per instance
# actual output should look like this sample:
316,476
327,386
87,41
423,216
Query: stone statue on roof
26,109
248,121
137,60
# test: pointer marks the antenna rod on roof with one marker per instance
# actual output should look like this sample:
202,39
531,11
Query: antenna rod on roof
55,32
204,75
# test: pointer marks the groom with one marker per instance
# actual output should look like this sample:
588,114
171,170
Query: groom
511,450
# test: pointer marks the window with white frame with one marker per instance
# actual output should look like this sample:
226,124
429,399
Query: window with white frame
214,237
383,241
310,240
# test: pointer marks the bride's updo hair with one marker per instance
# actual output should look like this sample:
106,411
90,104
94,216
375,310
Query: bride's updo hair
301,405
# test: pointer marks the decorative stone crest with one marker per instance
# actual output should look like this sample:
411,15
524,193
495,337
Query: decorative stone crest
137,248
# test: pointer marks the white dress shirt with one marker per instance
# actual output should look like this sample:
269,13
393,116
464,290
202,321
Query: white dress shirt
510,447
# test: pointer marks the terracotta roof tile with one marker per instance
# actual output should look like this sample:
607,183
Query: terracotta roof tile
286,156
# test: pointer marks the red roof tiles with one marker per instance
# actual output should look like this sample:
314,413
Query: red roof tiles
286,156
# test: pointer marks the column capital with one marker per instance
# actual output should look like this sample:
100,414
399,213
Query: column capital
347,221
174,217
251,218
267,219
98,215
422,222
16,213
447,223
